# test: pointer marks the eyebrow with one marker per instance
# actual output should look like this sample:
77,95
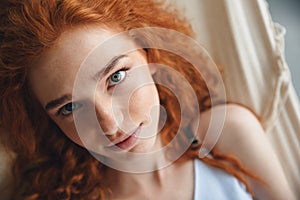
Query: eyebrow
54,103
109,66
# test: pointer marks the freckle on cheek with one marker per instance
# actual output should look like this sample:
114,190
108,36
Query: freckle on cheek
143,99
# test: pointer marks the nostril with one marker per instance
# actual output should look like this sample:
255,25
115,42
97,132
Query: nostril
111,132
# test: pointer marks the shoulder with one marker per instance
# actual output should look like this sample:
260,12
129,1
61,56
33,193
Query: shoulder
232,123
241,134
240,127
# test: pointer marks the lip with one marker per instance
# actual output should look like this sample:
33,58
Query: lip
125,142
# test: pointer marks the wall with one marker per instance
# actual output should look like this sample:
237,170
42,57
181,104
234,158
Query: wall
287,14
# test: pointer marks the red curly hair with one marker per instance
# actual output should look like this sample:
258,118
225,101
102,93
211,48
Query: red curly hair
56,168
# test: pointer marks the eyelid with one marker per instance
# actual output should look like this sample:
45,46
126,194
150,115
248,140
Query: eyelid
121,66
59,111
114,63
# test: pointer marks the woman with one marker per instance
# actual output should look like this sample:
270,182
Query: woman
80,103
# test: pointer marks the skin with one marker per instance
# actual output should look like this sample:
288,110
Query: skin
54,74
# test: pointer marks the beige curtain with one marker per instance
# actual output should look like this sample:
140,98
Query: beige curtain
241,37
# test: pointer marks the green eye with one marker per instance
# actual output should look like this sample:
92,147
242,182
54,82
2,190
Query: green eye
69,108
116,77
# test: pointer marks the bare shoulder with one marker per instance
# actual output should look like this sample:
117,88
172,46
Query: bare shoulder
231,120
242,135
240,126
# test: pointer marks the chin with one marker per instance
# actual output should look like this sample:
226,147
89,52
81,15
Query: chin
145,146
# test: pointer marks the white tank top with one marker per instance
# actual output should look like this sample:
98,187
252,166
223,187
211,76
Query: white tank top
212,183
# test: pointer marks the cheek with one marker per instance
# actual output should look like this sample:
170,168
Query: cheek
69,130
88,139
143,103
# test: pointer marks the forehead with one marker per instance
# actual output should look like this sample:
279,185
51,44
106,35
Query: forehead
54,72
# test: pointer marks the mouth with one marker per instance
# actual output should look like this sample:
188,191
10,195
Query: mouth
127,141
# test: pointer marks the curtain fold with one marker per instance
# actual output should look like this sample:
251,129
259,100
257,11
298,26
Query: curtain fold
242,38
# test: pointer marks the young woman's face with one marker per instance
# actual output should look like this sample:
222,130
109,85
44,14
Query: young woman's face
101,96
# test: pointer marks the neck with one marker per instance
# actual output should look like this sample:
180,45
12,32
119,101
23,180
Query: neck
140,162
141,172
126,185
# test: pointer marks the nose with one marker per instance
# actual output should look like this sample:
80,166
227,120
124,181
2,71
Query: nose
107,114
